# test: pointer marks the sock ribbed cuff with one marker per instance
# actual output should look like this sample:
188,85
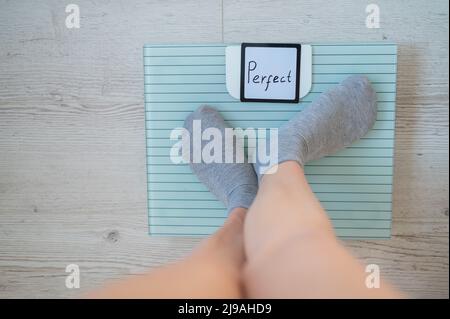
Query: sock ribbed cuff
241,196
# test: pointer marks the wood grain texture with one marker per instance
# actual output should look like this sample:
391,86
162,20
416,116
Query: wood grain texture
72,149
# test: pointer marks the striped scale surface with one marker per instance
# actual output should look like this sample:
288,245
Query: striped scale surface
354,185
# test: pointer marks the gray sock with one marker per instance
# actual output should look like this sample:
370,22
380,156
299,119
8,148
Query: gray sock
335,120
235,184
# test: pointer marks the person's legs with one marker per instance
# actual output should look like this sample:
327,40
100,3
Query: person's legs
213,270
291,249
290,245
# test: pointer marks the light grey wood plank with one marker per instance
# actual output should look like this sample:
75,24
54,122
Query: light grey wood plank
72,145
72,150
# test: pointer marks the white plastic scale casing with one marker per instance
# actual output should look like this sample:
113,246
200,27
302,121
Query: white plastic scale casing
233,70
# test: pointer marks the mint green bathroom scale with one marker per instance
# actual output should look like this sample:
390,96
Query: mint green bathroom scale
354,185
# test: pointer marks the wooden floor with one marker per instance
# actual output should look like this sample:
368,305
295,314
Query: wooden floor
72,148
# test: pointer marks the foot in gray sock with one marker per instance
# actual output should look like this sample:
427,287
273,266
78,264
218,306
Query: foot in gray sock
335,120
234,184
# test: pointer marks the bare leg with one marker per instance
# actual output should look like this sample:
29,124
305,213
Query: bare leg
212,271
291,248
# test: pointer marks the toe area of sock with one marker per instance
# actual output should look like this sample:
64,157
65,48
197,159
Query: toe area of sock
360,85
203,112
365,97
356,80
